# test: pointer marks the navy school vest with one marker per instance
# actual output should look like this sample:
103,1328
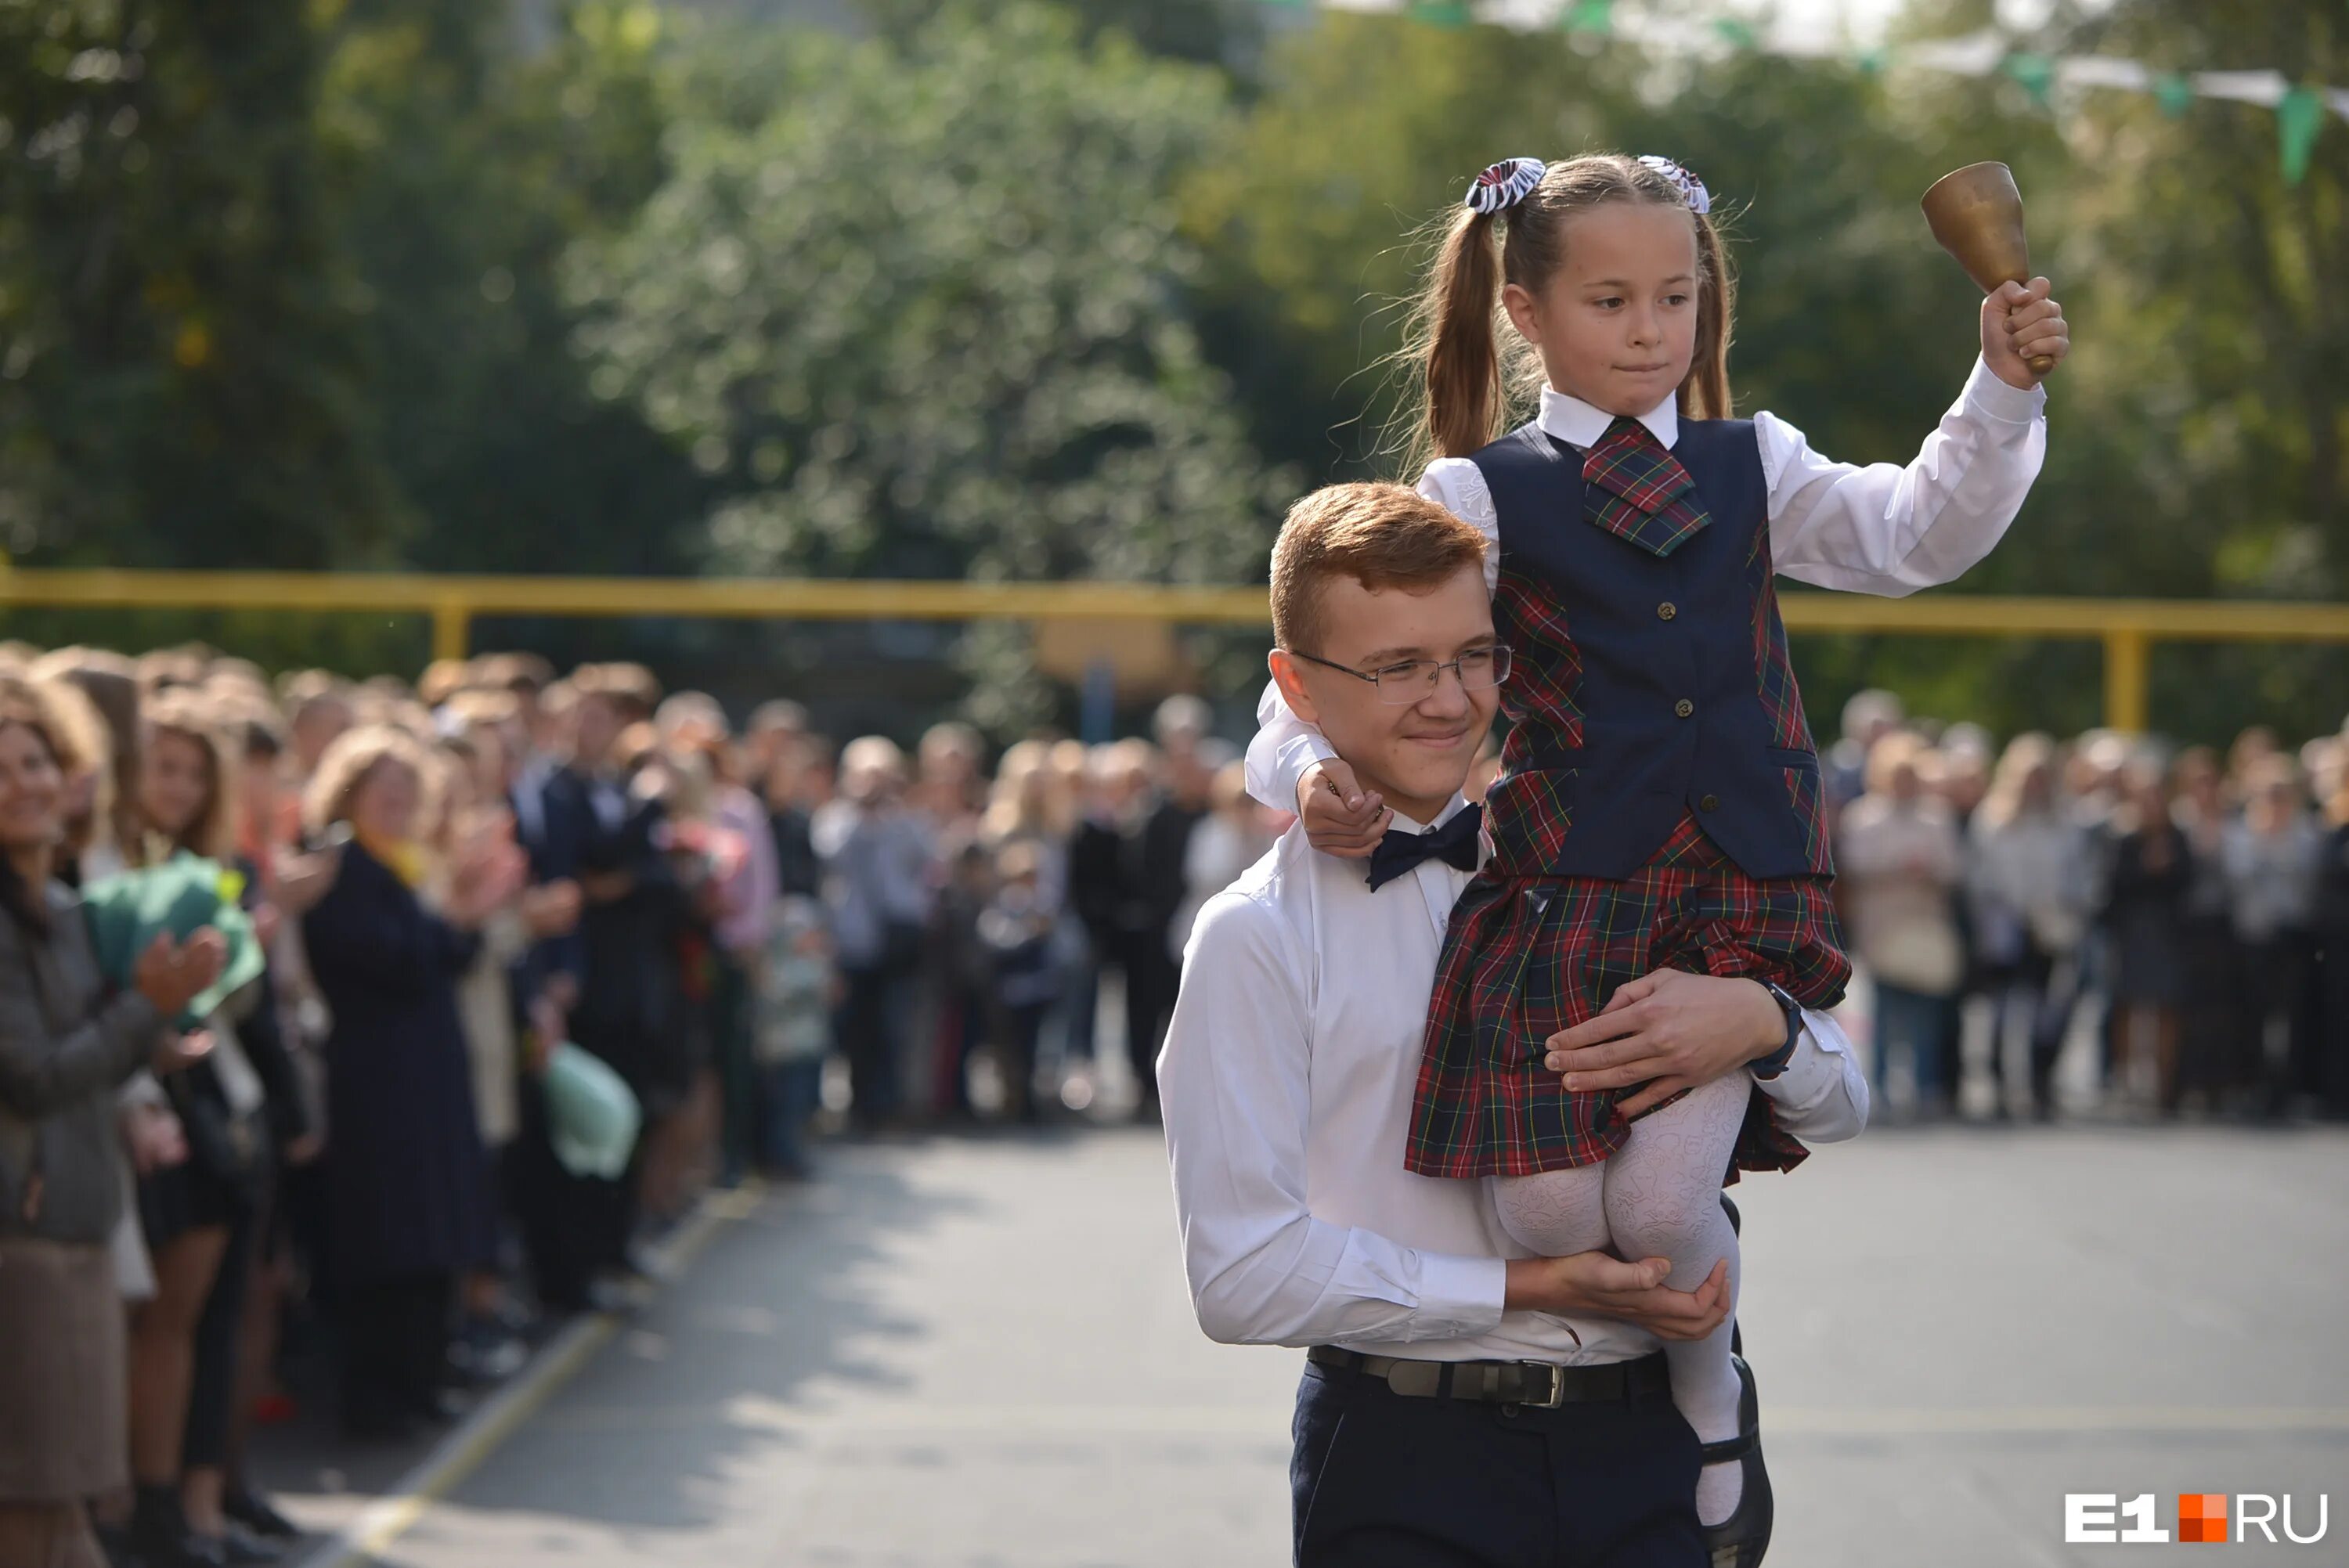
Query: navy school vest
1648,688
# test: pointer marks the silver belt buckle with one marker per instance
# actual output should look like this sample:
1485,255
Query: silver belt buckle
1557,1384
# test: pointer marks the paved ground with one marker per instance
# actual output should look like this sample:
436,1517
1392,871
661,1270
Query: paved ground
958,1353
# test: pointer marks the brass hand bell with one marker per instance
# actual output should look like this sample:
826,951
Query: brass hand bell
1977,215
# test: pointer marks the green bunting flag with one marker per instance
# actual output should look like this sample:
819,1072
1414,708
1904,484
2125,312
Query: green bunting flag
2300,111
2300,115
2035,73
1589,16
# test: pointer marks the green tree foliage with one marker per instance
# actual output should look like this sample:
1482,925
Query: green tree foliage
179,378
925,317
1211,32
465,170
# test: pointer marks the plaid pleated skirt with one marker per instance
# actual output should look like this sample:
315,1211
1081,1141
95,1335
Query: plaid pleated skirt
1525,957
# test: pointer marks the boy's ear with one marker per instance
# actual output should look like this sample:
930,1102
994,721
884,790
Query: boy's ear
1288,675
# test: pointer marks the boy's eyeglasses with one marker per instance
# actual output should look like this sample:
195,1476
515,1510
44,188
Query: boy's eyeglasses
1415,680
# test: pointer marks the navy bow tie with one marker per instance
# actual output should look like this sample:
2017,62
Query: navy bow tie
1454,842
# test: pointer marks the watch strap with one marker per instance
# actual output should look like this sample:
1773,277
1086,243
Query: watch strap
1775,1062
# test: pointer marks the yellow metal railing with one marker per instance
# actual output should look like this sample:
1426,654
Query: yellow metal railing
2127,627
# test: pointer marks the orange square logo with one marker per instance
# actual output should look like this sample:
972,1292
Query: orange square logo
2202,1516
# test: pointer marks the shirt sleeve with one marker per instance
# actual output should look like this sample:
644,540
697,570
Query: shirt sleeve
1232,1082
1822,1095
1284,747
1457,485
1888,530
1285,744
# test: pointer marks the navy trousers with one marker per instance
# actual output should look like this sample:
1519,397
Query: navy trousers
1380,1481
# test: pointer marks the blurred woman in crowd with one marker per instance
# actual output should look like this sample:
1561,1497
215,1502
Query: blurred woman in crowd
1032,804
1901,860
2145,914
2214,1056
2332,907
202,1215
65,1046
290,1030
1076,1016
682,897
2029,886
408,1184
2270,855
876,856
474,777
110,683
798,990
1015,931
739,842
1232,837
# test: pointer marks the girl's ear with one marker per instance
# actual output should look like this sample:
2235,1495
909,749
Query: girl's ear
1525,311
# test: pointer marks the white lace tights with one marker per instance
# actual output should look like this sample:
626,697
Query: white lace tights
1658,1197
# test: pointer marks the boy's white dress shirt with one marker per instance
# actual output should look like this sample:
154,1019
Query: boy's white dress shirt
1287,1083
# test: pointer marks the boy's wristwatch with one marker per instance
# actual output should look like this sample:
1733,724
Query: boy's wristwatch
1774,1064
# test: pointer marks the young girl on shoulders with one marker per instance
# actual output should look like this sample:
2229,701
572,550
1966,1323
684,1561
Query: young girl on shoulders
1659,805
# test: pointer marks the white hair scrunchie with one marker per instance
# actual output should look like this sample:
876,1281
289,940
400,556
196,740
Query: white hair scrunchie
1504,184
1699,199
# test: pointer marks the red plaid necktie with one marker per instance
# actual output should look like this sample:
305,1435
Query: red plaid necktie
1635,488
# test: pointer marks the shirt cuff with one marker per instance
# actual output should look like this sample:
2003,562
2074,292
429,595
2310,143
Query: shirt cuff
1461,1291
1296,755
1812,1068
1993,399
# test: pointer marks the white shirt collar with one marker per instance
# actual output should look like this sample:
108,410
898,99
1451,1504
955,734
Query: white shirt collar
1580,424
1452,807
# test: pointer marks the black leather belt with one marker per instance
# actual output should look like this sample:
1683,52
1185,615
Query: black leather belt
1536,1383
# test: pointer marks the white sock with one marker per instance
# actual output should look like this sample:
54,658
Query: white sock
1663,1200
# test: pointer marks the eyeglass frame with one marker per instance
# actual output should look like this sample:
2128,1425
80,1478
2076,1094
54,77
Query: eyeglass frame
1501,651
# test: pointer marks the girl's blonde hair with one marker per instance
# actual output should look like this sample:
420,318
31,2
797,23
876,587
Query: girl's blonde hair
182,712
353,759
2026,757
1475,380
1009,813
81,734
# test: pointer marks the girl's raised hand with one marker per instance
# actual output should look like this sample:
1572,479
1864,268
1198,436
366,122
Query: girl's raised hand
2020,322
1340,818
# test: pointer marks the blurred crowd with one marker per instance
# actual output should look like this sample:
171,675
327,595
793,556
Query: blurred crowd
766,936
2187,911
455,882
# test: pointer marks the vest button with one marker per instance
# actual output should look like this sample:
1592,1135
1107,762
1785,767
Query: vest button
1683,707
1666,611
1708,804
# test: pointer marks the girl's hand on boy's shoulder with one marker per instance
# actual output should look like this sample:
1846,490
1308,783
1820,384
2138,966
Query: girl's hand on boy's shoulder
2020,322
1340,818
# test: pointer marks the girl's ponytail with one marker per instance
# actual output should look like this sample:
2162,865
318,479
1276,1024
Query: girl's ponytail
1454,347
1704,390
